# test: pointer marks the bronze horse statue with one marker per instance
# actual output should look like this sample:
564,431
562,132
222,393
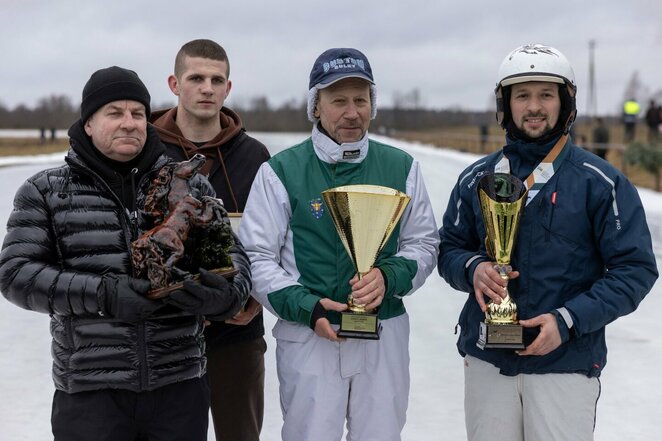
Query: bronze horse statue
170,186
176,213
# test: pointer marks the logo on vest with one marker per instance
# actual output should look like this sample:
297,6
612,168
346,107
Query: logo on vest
316,208
351,154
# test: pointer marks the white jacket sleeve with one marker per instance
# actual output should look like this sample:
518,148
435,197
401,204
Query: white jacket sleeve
419,237
264,232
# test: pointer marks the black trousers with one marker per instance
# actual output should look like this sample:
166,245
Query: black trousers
177,412
236,378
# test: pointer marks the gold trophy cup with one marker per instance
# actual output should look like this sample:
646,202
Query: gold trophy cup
364,216
502,198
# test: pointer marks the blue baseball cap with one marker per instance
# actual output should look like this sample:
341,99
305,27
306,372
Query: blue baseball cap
339,63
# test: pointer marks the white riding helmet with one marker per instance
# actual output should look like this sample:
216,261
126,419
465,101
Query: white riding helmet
535,62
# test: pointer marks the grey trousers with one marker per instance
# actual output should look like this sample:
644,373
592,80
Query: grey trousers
324,384
546,407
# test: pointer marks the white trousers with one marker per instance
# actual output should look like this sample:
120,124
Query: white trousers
323,384
546,407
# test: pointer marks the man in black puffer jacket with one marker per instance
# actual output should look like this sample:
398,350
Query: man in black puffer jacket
124,366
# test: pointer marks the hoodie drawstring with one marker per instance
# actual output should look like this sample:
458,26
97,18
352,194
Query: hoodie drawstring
227,179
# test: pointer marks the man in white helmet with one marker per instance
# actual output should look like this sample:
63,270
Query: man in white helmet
582,258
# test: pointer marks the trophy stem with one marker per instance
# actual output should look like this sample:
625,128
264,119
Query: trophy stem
503,270
359,309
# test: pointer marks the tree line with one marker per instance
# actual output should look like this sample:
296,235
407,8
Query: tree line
59,112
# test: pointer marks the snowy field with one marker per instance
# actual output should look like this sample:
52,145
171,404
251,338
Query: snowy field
631,384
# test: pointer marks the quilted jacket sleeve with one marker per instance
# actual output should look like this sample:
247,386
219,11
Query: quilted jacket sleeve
31,275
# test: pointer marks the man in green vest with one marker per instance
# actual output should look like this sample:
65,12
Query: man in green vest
303,275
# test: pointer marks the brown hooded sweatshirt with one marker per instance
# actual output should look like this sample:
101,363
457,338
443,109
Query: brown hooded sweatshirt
233,157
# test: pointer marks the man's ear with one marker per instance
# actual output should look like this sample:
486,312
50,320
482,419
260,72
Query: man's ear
87,127
173,84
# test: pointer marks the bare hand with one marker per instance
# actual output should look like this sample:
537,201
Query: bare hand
488,282
370,290
549,337
247,314
323,327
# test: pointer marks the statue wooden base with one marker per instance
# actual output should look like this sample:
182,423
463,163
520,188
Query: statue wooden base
163,292
500,336
359,325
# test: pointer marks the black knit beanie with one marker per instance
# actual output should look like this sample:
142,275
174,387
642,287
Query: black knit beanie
112,84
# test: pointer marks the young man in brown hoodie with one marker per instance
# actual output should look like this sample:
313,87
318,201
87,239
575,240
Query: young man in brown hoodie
200,124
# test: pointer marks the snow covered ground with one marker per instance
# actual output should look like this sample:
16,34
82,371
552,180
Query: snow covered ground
631,384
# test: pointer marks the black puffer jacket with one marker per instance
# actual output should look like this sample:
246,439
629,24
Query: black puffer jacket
66,231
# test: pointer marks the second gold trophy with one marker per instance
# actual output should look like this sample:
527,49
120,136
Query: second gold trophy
502,198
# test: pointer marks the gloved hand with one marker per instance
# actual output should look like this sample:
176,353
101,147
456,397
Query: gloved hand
124,297
211,295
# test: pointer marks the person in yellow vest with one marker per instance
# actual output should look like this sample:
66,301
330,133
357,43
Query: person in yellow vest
631,111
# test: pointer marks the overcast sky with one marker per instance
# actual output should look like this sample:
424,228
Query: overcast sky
449,51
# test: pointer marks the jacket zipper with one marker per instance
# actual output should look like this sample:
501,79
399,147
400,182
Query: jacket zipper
142,350
133,216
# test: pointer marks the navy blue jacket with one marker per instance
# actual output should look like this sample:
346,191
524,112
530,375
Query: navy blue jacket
583,244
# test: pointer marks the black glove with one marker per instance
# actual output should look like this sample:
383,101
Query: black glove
124,297
212,296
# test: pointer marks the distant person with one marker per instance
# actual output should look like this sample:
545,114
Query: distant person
653,121
631,111
42,135
600,138
125,367
582,258
201,124
303,275
484,132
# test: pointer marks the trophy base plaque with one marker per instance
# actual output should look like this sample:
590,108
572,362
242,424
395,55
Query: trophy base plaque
500,336
359,325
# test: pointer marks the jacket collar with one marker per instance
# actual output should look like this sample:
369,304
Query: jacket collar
331,152
525,156
165,122
83,149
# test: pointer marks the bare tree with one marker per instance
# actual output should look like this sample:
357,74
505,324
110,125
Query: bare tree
410,100
635,89
54,111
